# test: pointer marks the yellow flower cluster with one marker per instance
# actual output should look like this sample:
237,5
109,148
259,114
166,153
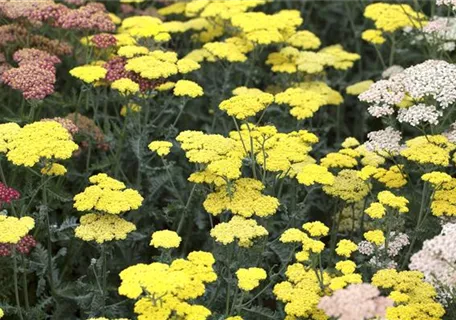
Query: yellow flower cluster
140,27
307,98
243,198
159,64
375,236
291,60
238,228
416,297
7,132
89,73
132,50
348,186
246,102
393,177
13,229
166,239
346,247
373,36
54,169
436,178
301,292
429,150
162,148
249,279
103,227
444,201
36,141
186,88
387,198
265,29
125,86
391,17
309,245
162,290
107,195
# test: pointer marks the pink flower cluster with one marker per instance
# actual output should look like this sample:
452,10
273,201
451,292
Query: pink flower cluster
8,194
24,246
104,40
116,71
356,302
92,16
35,76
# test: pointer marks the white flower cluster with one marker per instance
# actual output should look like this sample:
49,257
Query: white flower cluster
387,140
419,114
446,2
431,79
437,259
391,71
441,33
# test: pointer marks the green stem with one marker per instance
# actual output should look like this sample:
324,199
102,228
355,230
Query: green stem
104,274
181,222
24,283
337,217
16,287
49,241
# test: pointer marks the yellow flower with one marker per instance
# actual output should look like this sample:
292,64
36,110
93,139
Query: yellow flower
225,51
346,266
436,178
187,88
160,290
392,17
103,227
39,140
376,210
7,133
244,198
348,187
249,279
125,86
304,39
375,236
359,87
107,195
165,239
316,229
314,173
346,247
13,229
350,142
387,198
174,8
429,150
162,148
132,50
89,74
166,86
414,297
187,65
54,169
244,230
246,103
373,36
